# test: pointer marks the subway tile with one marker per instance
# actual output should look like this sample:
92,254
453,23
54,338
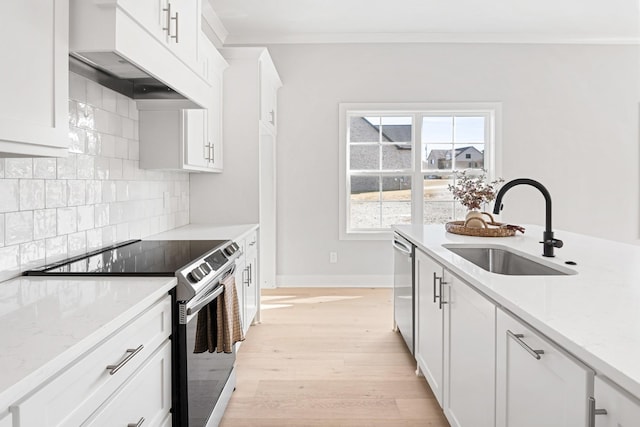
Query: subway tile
77,243
108,146
129,169
55,193
86,217
109,101
9,195
1,168
122,191
67,219
67,167
44,223
122,232
73,113
101,213
1,230
134,149
122,107
108,235
101,168
94,94
86,166
77,140
101,120
128,128
86,116
31,194
56,249
133,110
108,191
77,87
114,124
32,254
94,192
9,262
115,168
44,168
18,227
76,192
93,143
94,239
121,148
18,168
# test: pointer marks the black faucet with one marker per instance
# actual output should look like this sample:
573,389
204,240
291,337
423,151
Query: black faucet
548,241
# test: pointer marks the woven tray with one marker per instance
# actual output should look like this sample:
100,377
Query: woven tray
482,228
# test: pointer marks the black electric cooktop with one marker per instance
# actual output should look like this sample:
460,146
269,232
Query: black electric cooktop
132,258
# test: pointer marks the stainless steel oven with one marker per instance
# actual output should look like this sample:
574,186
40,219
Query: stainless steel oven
403,289
202,383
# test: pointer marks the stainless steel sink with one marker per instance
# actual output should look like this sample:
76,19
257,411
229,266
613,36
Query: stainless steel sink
501,260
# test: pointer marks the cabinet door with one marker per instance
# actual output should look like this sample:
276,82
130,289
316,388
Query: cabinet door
429,321
537,383
6,420
623,410
214,126
184,29
150,14
251,284
145,399
196,146
239,276
34,78
469,356
269,85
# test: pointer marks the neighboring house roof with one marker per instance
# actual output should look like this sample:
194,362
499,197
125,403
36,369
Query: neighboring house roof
446,154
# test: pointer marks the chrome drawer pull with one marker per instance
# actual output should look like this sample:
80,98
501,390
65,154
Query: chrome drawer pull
132,352
517,337
138,424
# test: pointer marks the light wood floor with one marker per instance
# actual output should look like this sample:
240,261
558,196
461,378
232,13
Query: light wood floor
328,357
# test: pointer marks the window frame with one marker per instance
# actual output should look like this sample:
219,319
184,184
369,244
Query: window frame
492,156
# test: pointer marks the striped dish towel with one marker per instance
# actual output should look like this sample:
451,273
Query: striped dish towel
228,317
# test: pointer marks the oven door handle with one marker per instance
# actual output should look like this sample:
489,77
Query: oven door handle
191,309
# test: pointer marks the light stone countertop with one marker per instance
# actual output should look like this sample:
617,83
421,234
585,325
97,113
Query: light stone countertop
594,314
205,232
46,324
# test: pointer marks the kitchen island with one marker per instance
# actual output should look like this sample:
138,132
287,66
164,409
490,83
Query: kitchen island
593,315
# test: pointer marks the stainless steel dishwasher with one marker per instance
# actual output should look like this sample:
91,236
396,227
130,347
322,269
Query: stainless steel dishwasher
403,288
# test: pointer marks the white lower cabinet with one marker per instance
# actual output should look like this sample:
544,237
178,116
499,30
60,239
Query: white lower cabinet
538,384
469,362
134,362
429,322
613,406
6,420
251,287
145,399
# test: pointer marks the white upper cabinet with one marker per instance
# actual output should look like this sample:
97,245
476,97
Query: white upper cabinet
537,383
34,78
269,85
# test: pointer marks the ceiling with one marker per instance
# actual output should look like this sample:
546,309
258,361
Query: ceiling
511,21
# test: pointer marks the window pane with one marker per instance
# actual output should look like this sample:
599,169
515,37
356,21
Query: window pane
435,188
469,129
364,157
437,157
364,129
365,188
397,129
469,156
437,129
396,157
365,215
438,212
396,213
396,188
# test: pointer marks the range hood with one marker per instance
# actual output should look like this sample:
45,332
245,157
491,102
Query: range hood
113,71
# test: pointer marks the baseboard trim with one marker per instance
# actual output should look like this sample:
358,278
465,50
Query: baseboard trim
348,281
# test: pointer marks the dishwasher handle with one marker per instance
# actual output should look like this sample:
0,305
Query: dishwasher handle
401,247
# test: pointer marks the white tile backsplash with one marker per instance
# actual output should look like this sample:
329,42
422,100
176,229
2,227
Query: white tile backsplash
53,208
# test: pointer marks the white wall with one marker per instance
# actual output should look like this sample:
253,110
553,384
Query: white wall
570,120
53,208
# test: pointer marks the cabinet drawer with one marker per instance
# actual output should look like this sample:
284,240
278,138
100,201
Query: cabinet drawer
75,393
145,397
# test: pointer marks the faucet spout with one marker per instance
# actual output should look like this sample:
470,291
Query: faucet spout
548,240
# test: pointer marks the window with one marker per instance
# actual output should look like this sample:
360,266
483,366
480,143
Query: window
396,161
